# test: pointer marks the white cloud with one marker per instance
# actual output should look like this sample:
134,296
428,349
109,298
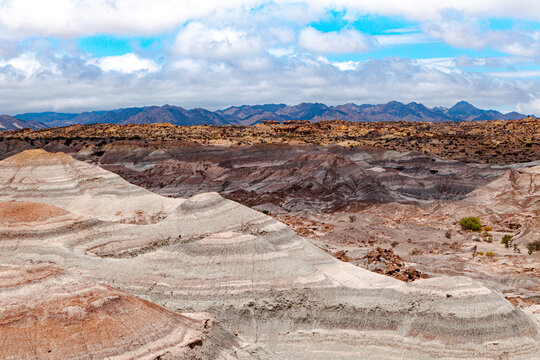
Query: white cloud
457,30
401,39
344,41
445,64
347,65
251,51
282,34
516,74
425,10
26,63
199,41
70,18
125,64
190,83
532,106
281,51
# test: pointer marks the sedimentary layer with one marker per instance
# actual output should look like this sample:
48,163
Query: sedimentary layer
252,272
47,313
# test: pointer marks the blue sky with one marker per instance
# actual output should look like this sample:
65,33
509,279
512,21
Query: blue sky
84,55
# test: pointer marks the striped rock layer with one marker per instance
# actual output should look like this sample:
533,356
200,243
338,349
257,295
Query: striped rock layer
253,273
46,313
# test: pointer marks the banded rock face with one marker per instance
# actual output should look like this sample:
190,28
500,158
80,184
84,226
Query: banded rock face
516,190
45,313
290,178
515,199
57,179
262,280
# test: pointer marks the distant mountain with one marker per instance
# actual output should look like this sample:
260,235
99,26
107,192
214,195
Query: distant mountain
178,116
93,117
467,112
395,111
253,114
391,111
49,118
10,123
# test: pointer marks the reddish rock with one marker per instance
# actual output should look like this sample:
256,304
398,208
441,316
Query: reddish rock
384,261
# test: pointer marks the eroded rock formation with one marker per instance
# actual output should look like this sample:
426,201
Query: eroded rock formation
47,313
253,273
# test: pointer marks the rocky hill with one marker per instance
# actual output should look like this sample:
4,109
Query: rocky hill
253,114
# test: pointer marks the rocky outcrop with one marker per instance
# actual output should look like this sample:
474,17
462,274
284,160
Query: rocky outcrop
384,261
253,273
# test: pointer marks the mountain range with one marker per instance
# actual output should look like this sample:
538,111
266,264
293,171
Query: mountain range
10,123
253,114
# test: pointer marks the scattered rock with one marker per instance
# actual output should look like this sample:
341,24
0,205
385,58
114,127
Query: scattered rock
385,261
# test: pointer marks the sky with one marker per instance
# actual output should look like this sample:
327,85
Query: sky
79,55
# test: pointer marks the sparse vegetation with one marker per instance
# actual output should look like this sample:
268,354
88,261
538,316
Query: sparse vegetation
533,246
416,251
471,223
487,229
507,241
490,254
448,234
266,212
394,244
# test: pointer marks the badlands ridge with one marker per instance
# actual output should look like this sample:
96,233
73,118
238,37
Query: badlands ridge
93,267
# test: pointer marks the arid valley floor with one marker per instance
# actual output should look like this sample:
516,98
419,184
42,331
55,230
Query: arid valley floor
327,240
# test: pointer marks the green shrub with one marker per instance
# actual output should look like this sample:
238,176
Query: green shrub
533,246
471,223
507,241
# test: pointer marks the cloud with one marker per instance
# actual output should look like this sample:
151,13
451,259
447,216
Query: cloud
200,41
531,106
402,39
127,63
281,51
84,86
421,10
214,54
334,42
26,64
70,18
459,31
